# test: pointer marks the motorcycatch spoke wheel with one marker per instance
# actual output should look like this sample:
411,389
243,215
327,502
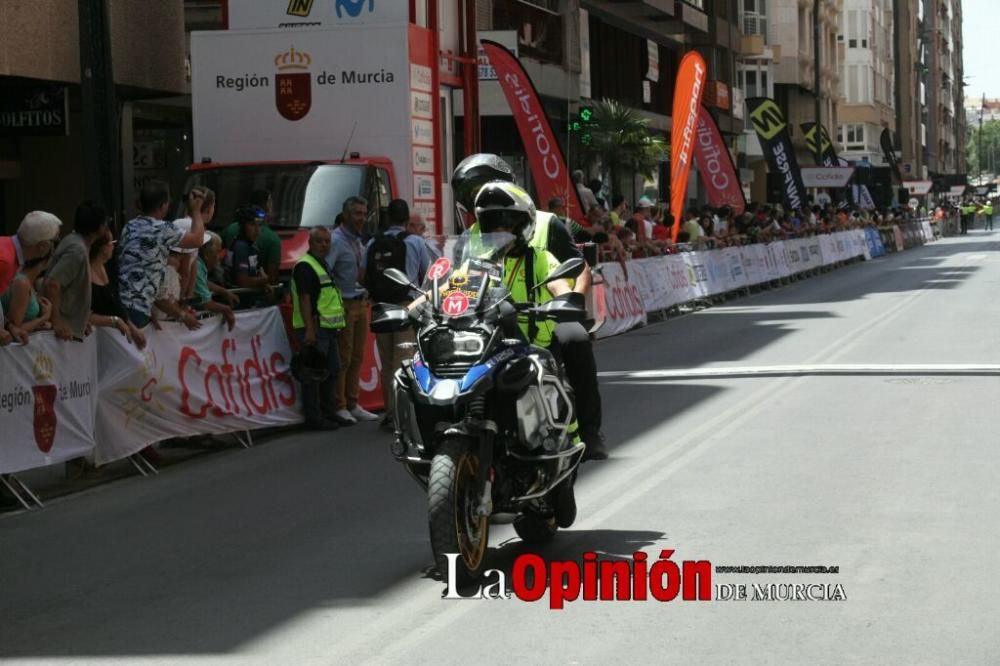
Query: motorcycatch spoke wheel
453,501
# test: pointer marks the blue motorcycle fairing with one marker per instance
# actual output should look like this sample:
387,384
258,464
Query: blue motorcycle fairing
427,381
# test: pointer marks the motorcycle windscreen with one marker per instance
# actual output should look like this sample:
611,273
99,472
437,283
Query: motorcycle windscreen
463,282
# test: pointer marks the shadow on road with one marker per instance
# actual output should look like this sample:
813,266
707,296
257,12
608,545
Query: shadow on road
206,558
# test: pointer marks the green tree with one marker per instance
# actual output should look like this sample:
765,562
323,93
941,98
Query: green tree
621,143
990,159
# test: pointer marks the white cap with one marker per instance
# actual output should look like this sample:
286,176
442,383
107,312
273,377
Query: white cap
644,202
184,224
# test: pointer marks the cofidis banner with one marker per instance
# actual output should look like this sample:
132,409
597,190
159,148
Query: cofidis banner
715,165
188,383
548,166
772,130
688,91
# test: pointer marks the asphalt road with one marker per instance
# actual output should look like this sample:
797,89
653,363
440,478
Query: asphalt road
849,420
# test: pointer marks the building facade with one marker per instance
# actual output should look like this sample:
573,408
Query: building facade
792,24
868,83
910,91
941,33
45,161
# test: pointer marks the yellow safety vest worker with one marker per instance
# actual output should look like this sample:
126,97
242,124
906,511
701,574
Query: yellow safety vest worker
516,281
540,239
329,307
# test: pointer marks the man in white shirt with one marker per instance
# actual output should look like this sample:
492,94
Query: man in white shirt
587,197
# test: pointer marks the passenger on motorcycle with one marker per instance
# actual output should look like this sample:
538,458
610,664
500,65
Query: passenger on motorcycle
504,207
571,341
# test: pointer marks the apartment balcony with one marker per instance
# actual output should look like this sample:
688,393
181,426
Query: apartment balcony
752,45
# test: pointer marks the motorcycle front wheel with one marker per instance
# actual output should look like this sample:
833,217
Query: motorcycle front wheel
453,500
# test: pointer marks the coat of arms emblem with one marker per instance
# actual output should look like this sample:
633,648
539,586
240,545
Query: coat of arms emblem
292,87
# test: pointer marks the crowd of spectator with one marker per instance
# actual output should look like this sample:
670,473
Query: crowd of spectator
624,232
159,270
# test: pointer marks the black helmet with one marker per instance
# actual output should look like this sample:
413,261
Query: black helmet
310,365
475,171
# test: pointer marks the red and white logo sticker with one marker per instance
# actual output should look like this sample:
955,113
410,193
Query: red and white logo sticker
455,304
439,269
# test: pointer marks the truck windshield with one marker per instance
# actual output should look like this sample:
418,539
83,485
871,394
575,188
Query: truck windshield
304,195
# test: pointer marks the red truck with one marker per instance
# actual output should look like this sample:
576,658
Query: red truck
305,194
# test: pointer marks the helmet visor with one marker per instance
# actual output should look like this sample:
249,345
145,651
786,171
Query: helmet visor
502,219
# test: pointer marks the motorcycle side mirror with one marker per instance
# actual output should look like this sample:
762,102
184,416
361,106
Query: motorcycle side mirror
389,318
399,277
567,270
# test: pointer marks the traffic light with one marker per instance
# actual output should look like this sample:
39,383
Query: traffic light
586,114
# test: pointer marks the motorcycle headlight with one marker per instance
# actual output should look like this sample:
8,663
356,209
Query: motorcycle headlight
443,345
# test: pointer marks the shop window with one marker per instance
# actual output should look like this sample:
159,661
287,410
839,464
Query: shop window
539,31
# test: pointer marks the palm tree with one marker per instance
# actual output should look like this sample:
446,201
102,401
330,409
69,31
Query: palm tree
621,142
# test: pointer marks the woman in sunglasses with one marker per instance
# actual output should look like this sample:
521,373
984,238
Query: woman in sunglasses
21,304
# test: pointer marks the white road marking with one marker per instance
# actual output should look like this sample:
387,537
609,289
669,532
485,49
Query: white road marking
810,369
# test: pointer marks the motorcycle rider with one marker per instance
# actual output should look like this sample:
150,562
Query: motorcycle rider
571,342
502,206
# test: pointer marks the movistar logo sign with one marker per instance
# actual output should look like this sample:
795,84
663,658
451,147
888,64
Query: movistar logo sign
353,8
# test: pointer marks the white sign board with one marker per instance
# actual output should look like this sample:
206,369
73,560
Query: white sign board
261,96
826,176
263,14
919,187
507,38
48,395
653,56
191,382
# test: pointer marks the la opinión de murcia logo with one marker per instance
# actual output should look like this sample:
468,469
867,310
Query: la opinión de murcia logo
640,578
637,579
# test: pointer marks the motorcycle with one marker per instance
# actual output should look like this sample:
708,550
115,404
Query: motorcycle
483,420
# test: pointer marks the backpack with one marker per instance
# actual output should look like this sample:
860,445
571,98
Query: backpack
384,252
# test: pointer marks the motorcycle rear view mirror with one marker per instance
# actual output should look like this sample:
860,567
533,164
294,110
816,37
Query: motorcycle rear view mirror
389,318
399,277
567,270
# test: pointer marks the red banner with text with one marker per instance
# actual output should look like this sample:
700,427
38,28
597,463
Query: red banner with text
715,166
548,165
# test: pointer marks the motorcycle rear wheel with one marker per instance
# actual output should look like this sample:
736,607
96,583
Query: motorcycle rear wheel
452,502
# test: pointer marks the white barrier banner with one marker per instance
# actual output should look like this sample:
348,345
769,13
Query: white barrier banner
48,394
194,382
618,301
658,283
928,232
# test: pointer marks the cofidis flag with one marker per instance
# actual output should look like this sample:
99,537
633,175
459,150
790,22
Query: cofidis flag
715,166
772,130
688,91
548,166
